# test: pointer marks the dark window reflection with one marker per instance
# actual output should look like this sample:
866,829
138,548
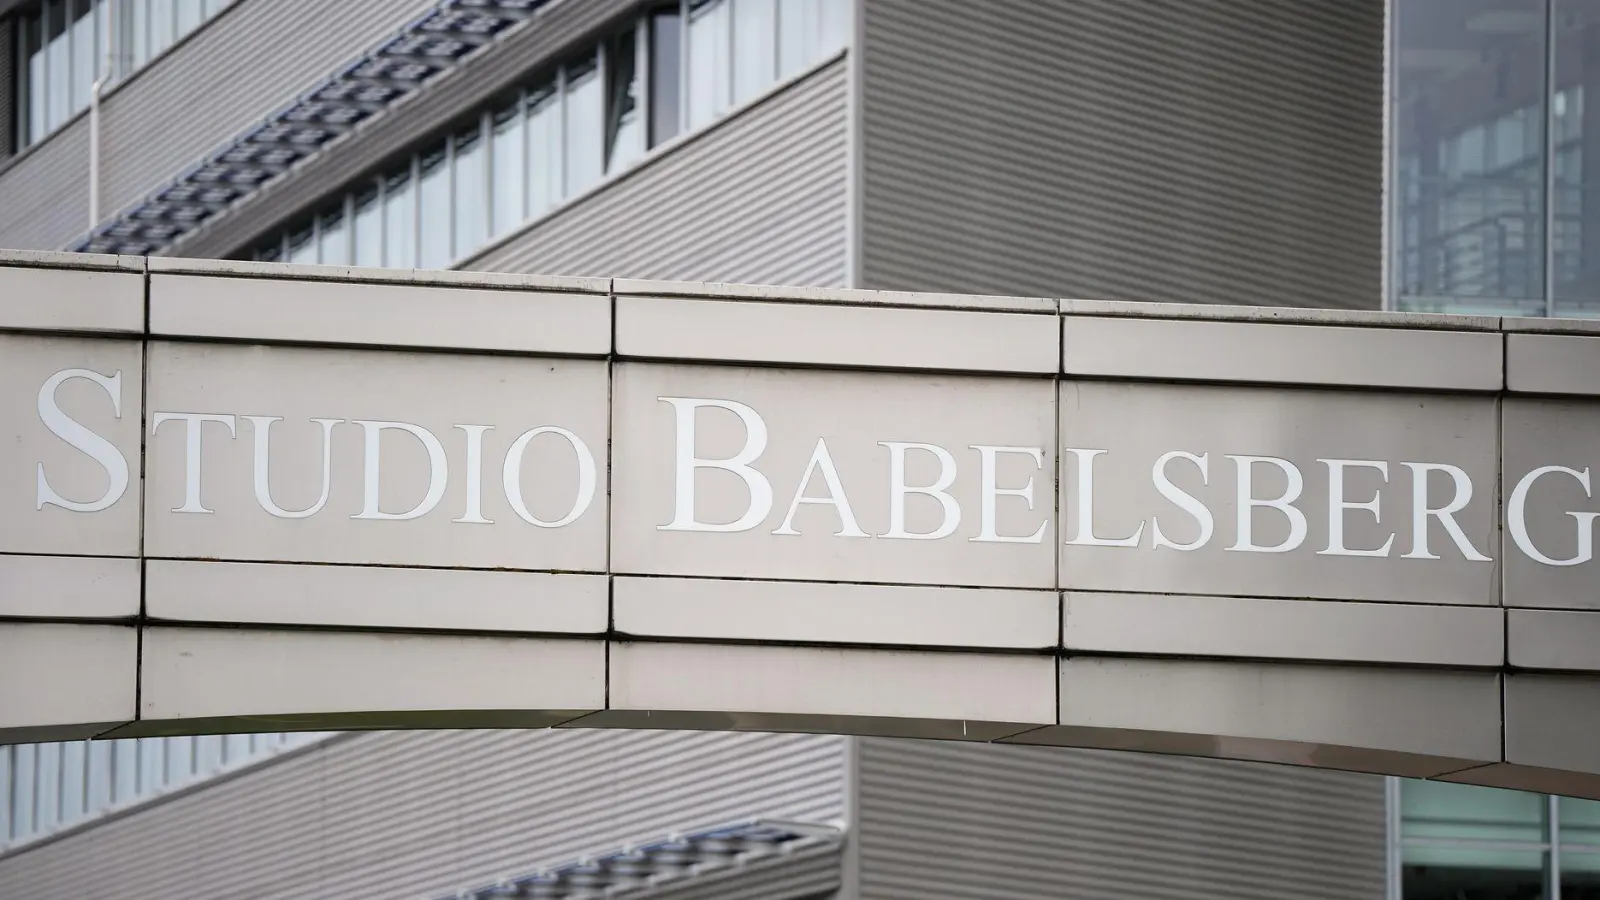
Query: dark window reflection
1575,198
1449,883
1469,179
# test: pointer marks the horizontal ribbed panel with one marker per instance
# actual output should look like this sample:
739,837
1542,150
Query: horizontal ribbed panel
229,73
806,873
997,822
758,199
407,814
1165,150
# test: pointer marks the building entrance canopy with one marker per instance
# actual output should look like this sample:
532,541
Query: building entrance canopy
239,496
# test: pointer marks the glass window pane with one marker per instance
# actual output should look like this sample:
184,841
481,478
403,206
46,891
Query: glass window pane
709,72
207,753
6,788
1453,873
38,97
624,113
666,74
399,225
1580,821
472,193
124,770
152,766
101,758
368,228
507,193
434,211
180,759
59,78
74,778
755,50
1574,131
190,14
800,35
163,18
25,783
1469,109
544,149
48,798
1440,810
138,25
84,53
303,246
334,238
235,747
214,6
585,126
835,26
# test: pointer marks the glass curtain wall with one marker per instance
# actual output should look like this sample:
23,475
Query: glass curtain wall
1490,203
61,51
1463,842
674,69
51,786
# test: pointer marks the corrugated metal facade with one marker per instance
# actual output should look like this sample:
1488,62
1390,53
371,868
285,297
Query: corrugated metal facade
1213,151
8,87
996,822
229,73
759,198
409,814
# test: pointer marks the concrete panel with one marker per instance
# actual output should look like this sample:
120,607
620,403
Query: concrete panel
475,521
1414,722
193,679
69,587
813,334
1256,628
727,533
1564,640
71,411
952,696
1547,457
63,682
1553,722
108,299
341,312
1283,354
1287,554
1552,364
372,597
834,613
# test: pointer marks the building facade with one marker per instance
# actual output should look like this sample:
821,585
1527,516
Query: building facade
1415,155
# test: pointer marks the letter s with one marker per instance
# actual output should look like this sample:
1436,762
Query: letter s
82,439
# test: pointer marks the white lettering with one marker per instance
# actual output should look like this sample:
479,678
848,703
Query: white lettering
1420,511
1183,500
1086,535
474,513
683,516
989,492
83,440
511,476
193,424
1517,518
1337,504
438,471
899,490
262,426
821,459
1248,503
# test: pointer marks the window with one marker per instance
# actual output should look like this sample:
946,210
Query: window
1483,843
24,777
569,129
508,196
433,210
471,190
584,125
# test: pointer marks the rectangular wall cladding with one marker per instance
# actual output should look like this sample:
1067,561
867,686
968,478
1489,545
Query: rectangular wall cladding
996,822
759,198
229,73
418,814
1209,152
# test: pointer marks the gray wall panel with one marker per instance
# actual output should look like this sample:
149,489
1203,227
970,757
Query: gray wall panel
231,72
1167,150
759,198
414,814
8,87
996,822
